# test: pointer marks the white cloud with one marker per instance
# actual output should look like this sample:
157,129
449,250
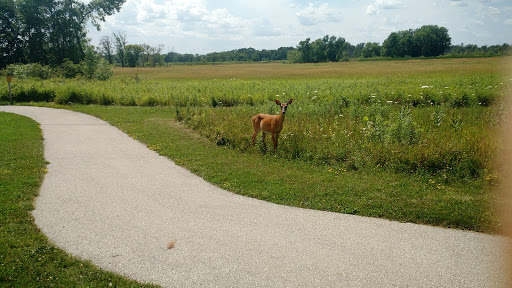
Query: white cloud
460,3
313,15
378,5
203,26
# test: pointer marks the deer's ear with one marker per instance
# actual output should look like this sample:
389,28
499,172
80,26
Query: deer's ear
278,103
289,101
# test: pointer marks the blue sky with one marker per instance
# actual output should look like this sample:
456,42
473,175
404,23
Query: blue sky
203,26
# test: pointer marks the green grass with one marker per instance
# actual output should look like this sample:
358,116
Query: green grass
375,192
27,258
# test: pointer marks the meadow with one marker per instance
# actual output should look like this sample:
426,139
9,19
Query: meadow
414,140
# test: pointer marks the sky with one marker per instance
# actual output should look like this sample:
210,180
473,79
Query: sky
204,26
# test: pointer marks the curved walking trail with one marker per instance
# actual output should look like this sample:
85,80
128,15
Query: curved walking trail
109,199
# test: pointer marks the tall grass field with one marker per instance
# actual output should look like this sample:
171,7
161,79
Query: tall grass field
434,122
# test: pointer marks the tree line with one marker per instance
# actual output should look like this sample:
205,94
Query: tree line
53,32
427,41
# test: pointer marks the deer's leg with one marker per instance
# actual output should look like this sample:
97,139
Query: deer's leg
275,137
254,135
263,142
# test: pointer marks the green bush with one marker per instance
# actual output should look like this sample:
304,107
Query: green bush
69,69
34,70
104,71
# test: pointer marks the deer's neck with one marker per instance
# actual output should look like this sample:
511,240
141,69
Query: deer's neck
280,118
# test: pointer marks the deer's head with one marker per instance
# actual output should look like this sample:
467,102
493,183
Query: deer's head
284,106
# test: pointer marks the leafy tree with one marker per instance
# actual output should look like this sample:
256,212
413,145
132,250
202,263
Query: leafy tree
306,51
49,31
428,41
133,53
332,49
294,56
391,46
371,49
11,43
154,55
319,48
358,50
120,43
432,40
90,63
106,47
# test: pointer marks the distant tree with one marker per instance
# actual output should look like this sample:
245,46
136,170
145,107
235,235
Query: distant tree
358,50
432,40
319,49
408,44
106,47
391,46
120,43
133,54
331,51
340,45
306,51
371,49
294,56
428,41
155,57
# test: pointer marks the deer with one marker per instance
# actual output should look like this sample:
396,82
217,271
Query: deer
272,124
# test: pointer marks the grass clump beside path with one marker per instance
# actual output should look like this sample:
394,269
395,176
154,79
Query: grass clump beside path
374,191
27,259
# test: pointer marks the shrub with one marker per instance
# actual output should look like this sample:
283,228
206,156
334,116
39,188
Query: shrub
33,70
90,63
69,69
104,71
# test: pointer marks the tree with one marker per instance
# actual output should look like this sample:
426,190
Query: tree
306,51
339,46
428,41
294,56
107,49
120,43
391,46
371,49
331,50
358,50
49,31
90,63
432,40
11,43
154,55
133,53
319,48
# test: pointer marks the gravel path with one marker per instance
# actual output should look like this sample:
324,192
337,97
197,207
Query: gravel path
110,199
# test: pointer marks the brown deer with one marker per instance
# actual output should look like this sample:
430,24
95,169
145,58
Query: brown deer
272,124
